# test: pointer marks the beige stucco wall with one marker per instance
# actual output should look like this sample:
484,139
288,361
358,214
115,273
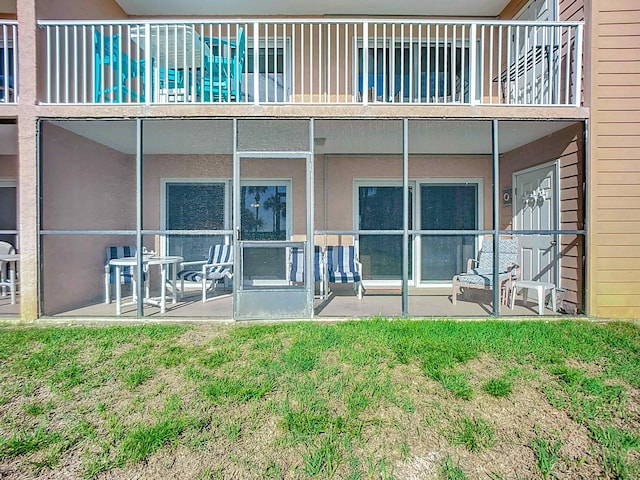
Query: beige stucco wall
86,186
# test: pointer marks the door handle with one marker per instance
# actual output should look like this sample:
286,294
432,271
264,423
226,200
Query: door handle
553,243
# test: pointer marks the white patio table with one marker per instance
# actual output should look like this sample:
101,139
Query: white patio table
165,263
12,260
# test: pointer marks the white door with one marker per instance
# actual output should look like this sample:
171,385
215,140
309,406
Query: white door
534,208
535,53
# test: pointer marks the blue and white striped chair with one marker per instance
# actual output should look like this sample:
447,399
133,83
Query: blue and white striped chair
126,273
343,267
296,266
219,265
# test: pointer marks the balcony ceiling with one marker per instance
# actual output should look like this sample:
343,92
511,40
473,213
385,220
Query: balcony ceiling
366,137
423,8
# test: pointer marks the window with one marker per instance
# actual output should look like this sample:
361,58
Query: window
417,72
194,206
8,210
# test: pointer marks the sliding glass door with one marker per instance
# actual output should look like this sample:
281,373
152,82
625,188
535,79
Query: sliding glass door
380,208
447,206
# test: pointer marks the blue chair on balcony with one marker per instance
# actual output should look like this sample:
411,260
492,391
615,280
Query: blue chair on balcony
296,266
115,73
222,73
343,266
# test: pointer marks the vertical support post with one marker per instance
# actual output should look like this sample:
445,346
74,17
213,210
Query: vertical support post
405,217
310,252
473,64
578,63
139,223
496,217
235,194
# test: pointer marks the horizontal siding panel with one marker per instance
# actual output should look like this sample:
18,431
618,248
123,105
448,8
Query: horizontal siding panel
614,312
570,205
627,244
618,141
626,191
619,165
619,104
614,68
620,54
569,170
614,251
618,91
618,214
629,79
622,263
630,41
628,227
617,30
619,128
620,16
616,178
614,276
617,5
616,288
613,154
618,202
568,182
628,301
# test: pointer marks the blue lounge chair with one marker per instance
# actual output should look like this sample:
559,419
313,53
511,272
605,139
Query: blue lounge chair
222,73
296,266
115,73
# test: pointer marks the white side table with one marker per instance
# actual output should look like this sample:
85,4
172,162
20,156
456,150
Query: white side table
12,259
541,288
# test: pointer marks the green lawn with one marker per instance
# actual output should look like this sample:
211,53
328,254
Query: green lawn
354,400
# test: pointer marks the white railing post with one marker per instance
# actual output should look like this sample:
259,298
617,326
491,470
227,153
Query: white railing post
256,63
578,63
365,63
148,71
473,64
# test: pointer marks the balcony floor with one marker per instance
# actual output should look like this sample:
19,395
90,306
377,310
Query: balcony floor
342,304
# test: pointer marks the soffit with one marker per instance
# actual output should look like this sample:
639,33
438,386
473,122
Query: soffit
429,8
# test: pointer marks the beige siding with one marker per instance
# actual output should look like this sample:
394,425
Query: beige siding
615,160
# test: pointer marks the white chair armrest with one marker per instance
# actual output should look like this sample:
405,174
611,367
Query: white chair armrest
197,262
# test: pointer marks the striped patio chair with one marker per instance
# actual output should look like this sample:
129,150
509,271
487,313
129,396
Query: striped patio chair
343,266
296,266
218,266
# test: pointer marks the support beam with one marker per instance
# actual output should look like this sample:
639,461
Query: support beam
496,217
405,217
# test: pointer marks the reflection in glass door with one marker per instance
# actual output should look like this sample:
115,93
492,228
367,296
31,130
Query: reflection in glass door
264,217
447,207
380,208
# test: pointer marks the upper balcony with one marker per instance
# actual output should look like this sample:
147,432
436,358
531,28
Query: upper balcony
8,61
320,61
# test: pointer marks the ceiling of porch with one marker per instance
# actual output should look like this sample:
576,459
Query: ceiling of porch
430,8
370,137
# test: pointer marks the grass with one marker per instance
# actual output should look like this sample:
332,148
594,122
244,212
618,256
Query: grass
353,400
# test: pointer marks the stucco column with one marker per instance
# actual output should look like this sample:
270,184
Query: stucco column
27,155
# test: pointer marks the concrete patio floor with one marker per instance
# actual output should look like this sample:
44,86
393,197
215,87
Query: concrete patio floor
341,304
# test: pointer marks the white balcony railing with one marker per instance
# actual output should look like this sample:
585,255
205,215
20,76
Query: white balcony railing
8,61
314,61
